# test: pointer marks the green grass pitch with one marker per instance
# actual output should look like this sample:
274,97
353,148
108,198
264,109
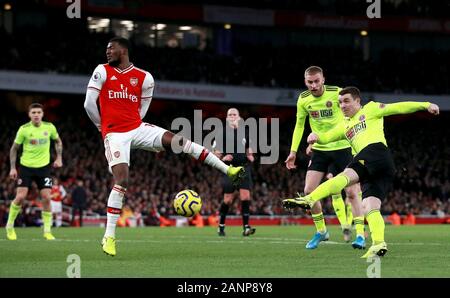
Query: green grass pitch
275,251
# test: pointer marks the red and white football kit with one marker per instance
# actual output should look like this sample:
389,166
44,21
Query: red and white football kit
124,97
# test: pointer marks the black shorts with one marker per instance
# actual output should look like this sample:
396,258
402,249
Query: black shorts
333,162
375,168
41,176
246,182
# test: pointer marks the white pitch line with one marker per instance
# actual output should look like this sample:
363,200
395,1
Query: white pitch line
233,240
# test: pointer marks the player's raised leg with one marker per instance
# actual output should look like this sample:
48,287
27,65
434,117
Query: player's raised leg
174,143
330,187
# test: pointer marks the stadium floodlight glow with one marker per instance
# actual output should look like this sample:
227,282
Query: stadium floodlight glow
185,28
7,6
103,23
159,26
363,33
227,26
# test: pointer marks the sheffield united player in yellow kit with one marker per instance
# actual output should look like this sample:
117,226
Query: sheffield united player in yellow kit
372,165
35,137
320,103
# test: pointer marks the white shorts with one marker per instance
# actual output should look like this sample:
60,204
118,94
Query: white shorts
56,206
118,144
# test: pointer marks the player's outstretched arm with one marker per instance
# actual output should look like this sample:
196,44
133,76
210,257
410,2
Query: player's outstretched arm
405,107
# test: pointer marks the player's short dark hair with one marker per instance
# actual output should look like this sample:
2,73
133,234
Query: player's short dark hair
353,91
35,105
123,42
312,70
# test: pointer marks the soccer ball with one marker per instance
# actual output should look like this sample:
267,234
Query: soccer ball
187,203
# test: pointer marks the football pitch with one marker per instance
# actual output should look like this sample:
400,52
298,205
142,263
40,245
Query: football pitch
414,251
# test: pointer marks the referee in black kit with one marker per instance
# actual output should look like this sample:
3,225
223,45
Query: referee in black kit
240,154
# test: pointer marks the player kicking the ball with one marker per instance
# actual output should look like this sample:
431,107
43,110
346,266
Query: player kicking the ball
372,165
125,93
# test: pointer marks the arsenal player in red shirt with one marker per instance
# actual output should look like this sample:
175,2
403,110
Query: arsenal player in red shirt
57,194
124,93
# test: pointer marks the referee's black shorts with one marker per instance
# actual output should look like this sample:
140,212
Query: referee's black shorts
246,182
41,176
375,168
333,162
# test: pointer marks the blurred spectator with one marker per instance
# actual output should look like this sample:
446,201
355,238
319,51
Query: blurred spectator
79,199
421,185
251,64
394,219
57,195
410,219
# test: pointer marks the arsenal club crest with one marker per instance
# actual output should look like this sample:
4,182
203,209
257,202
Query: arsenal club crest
362,118
329,104
117,154
133,82
45,133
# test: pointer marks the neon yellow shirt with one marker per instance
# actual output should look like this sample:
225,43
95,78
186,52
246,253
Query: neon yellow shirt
366,126
36,143
324,114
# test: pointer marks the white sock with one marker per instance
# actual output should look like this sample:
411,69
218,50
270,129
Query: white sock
58,219
202,154
115,202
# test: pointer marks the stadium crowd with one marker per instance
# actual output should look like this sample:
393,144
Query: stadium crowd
420,149
421,8
262,65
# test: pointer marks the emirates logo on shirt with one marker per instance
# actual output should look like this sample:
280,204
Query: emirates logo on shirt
123,94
